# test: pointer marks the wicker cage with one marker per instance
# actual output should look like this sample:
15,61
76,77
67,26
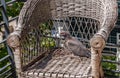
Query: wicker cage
37,45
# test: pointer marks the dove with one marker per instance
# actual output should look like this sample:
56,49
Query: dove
73,44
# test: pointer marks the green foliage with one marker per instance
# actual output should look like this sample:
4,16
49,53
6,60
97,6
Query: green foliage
110,66
13,9
47,42
45,29
3,52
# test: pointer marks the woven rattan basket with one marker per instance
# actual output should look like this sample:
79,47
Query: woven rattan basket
38,48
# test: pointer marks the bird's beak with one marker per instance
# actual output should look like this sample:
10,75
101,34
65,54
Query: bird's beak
62,34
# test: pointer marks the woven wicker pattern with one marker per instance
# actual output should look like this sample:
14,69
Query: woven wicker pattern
61,66
37,36
77,8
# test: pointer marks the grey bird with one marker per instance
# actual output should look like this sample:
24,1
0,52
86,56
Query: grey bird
74,45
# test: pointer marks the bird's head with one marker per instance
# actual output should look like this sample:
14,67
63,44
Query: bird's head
65,34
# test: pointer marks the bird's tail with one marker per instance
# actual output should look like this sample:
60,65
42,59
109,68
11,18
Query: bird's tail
88,54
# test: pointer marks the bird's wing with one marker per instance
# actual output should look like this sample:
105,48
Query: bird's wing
72,44
79,42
